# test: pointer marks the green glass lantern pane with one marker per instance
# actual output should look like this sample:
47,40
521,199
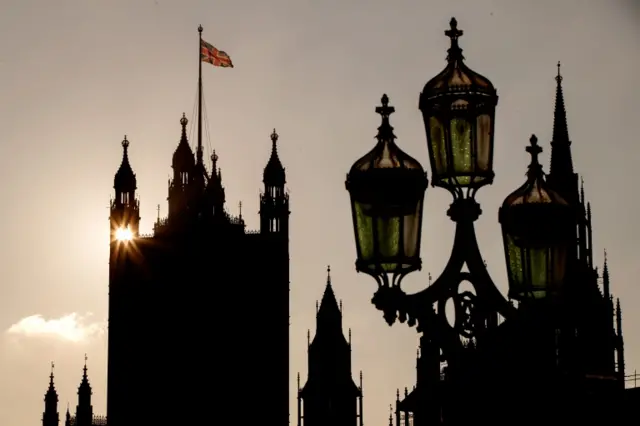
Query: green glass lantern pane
514,261
460,131
558,265
537,267
411,231
388,237
364,231
483,144
438,146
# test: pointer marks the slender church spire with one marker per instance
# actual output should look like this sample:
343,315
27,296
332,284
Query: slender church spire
329,317
67,417
84,409
605,280
50,416
561,162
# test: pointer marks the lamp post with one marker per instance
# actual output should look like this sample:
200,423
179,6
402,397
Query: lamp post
387,188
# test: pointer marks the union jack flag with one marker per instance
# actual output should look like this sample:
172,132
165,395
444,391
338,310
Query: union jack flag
215,57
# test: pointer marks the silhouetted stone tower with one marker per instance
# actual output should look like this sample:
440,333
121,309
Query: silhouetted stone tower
84,409
125,208
590,340
200,293
330,396
50,416
274,202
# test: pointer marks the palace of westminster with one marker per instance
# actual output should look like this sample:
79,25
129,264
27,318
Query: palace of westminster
143,271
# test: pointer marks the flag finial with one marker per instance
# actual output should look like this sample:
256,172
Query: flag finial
200,29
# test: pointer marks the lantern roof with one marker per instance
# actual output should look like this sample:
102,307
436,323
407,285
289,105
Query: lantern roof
535,190
457,76
386,154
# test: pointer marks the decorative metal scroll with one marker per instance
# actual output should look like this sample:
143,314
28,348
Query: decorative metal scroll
474,311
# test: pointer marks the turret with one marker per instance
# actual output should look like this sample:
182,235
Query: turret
329,315
84,409
215,190
125,208
330,396
50,416
274,202
181,187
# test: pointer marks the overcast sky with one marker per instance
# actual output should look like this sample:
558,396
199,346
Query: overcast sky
77,75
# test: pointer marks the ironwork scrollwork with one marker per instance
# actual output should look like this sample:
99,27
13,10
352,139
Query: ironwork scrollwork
475,310
466,314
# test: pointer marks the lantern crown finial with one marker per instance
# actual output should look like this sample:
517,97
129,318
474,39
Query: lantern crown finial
385,131
386,154
457,77
535,190
385,110
534,150
455,53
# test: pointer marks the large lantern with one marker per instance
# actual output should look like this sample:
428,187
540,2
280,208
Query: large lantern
458,107
538,228
387,189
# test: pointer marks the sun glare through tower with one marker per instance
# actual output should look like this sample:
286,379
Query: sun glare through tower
124,234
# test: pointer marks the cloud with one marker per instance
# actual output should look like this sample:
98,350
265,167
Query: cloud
72,327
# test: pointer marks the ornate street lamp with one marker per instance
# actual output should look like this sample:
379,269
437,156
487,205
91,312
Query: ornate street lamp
537,226
458,107
387,189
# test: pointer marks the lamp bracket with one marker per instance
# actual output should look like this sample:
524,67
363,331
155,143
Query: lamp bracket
476,309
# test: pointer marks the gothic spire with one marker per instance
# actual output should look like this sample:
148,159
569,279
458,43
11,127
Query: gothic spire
329,370
125,179
183,159
67,417
329,311
214,187
605,279
50,416
84,409
561,162
51,394
84,388
274,174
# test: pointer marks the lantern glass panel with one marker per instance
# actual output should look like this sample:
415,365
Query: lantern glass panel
483,143
514,262
411,229
537,267
463,166
438,146
534,272
364,232
388,239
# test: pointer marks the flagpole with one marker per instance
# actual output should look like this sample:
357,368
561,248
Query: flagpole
199,149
